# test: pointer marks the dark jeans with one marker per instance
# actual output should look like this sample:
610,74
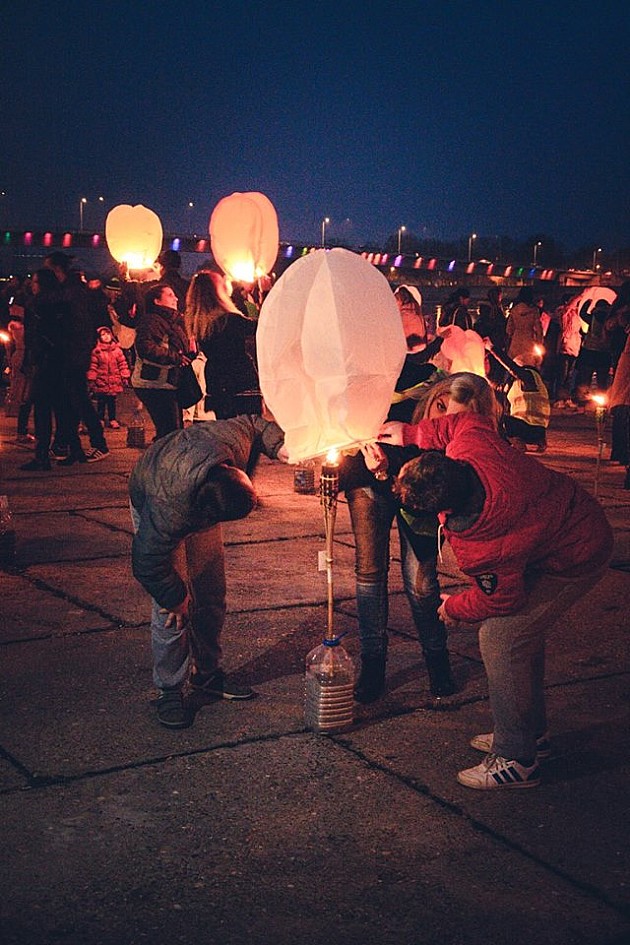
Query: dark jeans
589,362
106,404
564,376
24,413
372,514
620,452
163,409
78,407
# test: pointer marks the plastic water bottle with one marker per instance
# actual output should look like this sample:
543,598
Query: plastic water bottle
329,689
135,430
304,477
7,534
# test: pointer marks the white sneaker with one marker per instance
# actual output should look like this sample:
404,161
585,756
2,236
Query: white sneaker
484,743
496,772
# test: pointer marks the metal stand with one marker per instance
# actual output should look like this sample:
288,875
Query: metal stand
600,419
329,491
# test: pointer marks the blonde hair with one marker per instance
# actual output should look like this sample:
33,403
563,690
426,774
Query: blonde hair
464,388
207,305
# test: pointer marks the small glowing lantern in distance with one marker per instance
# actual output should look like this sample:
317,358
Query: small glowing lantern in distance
134,235
244,236
330,348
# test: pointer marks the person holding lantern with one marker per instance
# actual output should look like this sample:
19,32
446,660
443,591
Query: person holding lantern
220,331
372,512
161,349
532,541
182,488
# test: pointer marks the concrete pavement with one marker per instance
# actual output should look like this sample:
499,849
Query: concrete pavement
247,829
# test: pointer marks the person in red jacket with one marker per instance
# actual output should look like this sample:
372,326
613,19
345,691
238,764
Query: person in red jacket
532,541
108,374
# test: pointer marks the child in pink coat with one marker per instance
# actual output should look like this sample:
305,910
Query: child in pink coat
107,375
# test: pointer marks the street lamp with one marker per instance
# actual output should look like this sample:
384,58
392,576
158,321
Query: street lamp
325,221
595,252
473,236
401,230
536,245
82,203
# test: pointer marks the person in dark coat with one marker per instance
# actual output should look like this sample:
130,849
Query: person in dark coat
455,310
169,266
46,320
491,326
77,406
161,349
181,489
222,333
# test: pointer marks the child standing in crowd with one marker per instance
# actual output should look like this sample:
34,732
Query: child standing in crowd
107,375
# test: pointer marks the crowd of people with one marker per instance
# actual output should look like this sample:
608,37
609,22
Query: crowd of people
441,465
77,340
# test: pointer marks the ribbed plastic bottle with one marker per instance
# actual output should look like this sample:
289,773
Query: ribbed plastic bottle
7,534
135,430
329,689
304,477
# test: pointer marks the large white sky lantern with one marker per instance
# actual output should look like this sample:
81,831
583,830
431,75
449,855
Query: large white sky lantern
330,348
134,235
244,236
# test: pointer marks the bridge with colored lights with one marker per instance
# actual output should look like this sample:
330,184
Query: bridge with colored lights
22,251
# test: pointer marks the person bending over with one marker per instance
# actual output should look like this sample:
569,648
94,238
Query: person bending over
532,541
182,488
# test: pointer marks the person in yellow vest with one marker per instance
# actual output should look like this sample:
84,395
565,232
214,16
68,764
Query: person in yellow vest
529,409
526,404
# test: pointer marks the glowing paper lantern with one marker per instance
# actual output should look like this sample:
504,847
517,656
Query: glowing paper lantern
244,236
465,350
330,348
134,235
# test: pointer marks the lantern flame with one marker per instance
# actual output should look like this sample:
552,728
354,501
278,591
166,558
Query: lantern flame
539,350
332,457
599,399
5,336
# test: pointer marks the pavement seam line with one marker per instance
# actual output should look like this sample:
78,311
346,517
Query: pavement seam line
418,787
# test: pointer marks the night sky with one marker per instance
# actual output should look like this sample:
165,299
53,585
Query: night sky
448,118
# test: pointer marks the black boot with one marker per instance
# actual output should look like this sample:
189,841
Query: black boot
439,669
371,682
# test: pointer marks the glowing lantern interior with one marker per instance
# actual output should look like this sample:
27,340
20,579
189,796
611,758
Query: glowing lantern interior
134,235
244,236
465,350
330,348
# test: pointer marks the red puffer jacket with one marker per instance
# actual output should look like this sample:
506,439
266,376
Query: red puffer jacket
108,369
532,518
